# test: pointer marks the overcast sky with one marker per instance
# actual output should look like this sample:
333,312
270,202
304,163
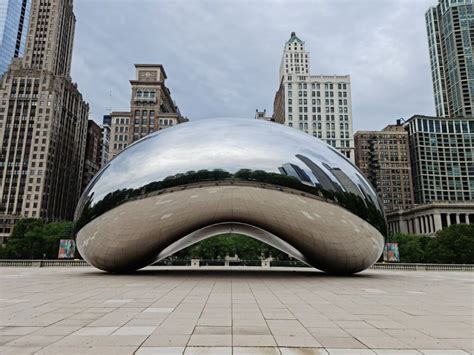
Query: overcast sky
222,57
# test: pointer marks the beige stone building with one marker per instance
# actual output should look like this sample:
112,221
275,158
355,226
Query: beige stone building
151,109
119,132
428,218
319,105
383,157
43,123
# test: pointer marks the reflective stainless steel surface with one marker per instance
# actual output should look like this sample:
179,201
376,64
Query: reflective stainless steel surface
190,182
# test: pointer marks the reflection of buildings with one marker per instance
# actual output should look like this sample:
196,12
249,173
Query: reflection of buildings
151,109
451,45
295,171
14,17
319,105
44,123
344,180
324,181
383,157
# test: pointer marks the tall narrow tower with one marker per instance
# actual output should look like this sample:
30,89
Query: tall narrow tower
450,27
295,59
43,122
319,105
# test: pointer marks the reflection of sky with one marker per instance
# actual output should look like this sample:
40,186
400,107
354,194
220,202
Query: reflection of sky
227,144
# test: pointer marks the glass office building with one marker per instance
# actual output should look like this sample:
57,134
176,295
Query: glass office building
441,152
14,16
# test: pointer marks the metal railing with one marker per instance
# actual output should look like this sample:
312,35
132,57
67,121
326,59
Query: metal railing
250,263
423,267
42,263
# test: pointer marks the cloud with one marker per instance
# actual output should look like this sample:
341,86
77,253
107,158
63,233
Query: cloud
222,57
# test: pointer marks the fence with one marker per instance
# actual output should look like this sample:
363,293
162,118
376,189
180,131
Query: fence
423,267
274,264
43,263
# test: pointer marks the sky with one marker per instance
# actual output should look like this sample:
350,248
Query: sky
222,57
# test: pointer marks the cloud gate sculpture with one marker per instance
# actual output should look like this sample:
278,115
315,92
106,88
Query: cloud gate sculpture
184,184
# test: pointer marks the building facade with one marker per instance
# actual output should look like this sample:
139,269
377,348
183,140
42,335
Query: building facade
431,217
43,123
14,18
119,132
441,155
451,45
151,109
383,157
151,105
92,157
319,105
262,115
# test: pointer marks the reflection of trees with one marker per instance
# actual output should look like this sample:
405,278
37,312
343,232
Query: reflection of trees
354,203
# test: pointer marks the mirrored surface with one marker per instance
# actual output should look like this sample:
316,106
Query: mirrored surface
281,165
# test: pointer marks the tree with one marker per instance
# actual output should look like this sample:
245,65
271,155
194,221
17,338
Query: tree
230,244
453,245
33,239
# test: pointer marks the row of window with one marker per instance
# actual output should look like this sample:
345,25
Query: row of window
327,86
121,120
144,113
317,94
318,125
328,102
442,126
329,109
146,94
303,117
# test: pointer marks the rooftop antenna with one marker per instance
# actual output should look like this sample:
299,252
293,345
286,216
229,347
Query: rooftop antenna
108,109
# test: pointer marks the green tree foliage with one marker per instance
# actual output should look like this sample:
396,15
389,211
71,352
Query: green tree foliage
218,247
33,239
453,245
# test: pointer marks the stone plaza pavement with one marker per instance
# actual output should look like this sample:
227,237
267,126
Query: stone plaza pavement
155,311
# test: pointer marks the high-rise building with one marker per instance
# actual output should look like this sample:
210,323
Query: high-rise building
105,140
151,109
319,105
14,17
450,27
383,157
441,155
43,122
92,157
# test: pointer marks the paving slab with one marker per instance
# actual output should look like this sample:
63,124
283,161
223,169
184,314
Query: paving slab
235,311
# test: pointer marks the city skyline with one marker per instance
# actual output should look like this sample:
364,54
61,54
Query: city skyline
383,48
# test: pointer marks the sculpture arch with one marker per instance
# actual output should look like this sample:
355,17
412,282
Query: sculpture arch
180,185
